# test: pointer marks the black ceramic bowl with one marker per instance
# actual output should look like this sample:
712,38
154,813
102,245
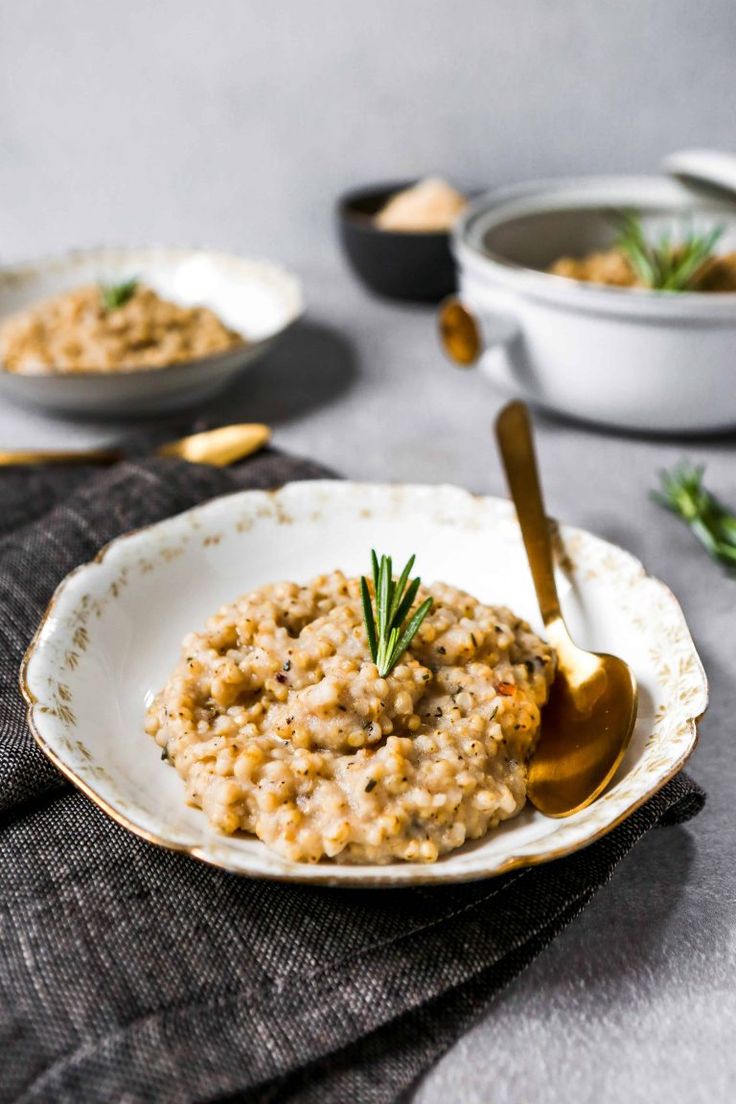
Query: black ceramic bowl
399,265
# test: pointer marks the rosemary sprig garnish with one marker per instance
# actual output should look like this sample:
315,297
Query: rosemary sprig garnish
713,523
668,264
388,636
117,295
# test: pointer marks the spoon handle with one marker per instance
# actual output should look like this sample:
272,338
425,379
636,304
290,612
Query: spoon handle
32,457
515,440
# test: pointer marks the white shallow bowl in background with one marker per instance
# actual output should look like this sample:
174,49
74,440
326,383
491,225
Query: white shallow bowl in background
257,299
112,633
633,359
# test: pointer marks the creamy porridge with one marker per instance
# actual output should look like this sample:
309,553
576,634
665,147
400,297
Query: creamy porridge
280,725
105,329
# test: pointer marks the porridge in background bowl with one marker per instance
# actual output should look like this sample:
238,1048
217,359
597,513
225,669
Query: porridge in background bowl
612,267
279,723
673,260
98,328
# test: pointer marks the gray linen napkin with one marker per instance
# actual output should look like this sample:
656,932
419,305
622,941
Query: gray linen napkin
131,974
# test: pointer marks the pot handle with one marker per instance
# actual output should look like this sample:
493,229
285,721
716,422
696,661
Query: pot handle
465,332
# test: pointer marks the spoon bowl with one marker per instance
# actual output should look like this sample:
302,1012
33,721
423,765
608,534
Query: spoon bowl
589,718
585,731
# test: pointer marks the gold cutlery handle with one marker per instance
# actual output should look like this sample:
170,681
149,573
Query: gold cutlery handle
26,457
516,443
218,447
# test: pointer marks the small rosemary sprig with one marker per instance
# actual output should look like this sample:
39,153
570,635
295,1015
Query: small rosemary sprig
669,264
713,523
117,295
388,636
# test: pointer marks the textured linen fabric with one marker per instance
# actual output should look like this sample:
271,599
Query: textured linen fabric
128,973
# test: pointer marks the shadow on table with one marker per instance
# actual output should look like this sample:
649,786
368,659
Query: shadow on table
310,367
722,438
629,932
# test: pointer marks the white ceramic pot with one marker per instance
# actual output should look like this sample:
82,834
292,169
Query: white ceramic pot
257,299
630,358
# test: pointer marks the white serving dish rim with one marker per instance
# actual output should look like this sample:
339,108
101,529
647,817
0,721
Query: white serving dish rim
568,193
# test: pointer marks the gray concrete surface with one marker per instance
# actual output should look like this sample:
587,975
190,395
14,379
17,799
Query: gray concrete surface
234,124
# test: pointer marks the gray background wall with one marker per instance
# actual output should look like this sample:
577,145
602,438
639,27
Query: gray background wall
235,122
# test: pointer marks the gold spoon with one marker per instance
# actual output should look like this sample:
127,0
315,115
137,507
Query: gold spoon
218,447
588,721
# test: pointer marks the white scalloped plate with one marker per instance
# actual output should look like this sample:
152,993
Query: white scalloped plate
112,632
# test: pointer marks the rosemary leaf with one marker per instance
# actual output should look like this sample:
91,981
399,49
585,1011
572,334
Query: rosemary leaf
410,631
387,650
117,295
407,602
669,264
399,589
383,599
374,562
388,635
684,493
370,625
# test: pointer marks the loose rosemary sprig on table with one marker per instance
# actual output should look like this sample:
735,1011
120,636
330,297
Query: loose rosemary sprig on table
388,636
667,264
117,295
713,523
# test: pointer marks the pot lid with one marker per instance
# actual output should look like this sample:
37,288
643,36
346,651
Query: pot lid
706,170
